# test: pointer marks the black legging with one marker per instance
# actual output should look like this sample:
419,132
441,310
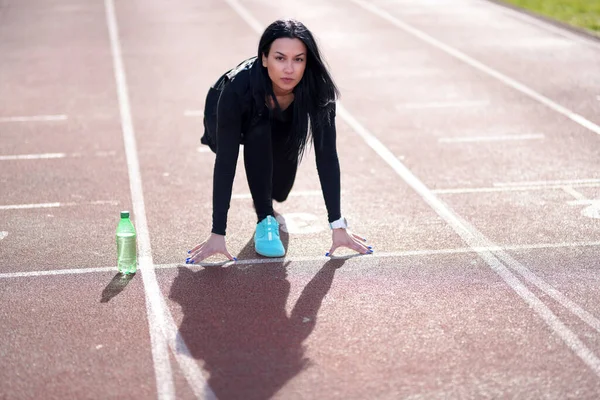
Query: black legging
269,170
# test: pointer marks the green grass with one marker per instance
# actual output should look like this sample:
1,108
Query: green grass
580,13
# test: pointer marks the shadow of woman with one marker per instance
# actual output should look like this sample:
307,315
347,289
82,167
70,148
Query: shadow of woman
235,320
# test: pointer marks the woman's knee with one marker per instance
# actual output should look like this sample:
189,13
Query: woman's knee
282,185
280,196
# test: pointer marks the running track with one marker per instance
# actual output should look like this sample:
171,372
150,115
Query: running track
469,141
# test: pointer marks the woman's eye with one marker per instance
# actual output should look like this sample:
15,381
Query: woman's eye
279,58
300,59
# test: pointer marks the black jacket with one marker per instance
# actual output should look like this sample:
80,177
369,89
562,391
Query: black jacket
234,105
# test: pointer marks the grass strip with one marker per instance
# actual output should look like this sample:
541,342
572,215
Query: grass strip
583,14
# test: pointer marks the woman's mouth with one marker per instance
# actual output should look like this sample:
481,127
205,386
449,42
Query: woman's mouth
287,80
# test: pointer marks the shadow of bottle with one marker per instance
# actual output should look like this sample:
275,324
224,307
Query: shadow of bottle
235,320
115,286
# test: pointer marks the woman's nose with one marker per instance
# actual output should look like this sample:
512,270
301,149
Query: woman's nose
289,67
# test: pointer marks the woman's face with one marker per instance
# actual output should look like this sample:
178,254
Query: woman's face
285,63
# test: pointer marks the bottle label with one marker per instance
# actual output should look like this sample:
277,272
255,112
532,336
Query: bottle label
126,253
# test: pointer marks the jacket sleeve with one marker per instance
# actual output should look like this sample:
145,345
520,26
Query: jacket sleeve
228,138
328,166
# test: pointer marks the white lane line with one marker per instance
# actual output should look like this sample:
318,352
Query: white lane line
369,258
39,205
570,305
478,242
34,118
569,182
579,196
507,189
187,363
442,104
468,233
592,211
33,156
299,193
194,113
47,156
154,304
566,185
480,66
246,15
584,202
468,139
57,204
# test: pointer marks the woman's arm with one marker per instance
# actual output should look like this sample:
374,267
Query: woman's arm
229,126
328,167
228,139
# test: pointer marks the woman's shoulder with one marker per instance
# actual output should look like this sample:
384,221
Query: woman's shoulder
245,83
240,76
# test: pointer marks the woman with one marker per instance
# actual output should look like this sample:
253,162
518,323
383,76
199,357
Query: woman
267,104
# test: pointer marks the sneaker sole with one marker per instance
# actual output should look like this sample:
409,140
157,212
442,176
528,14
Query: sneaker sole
265,254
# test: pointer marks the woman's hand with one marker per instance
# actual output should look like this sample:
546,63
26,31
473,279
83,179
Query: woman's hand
215,244
343,238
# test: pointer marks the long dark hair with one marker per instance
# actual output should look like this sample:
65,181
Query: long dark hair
315,94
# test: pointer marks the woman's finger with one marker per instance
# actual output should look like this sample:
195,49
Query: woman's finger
359,237
196,257
200,255
360,242
196,252
360,247
197,247
228,255
331,250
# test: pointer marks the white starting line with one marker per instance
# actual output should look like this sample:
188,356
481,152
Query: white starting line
261,261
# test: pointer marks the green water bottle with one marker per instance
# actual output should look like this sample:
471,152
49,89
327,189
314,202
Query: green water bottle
126,245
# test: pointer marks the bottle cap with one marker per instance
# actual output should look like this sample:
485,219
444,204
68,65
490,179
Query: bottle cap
124,214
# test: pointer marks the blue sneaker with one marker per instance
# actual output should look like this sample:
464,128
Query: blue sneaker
266,238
